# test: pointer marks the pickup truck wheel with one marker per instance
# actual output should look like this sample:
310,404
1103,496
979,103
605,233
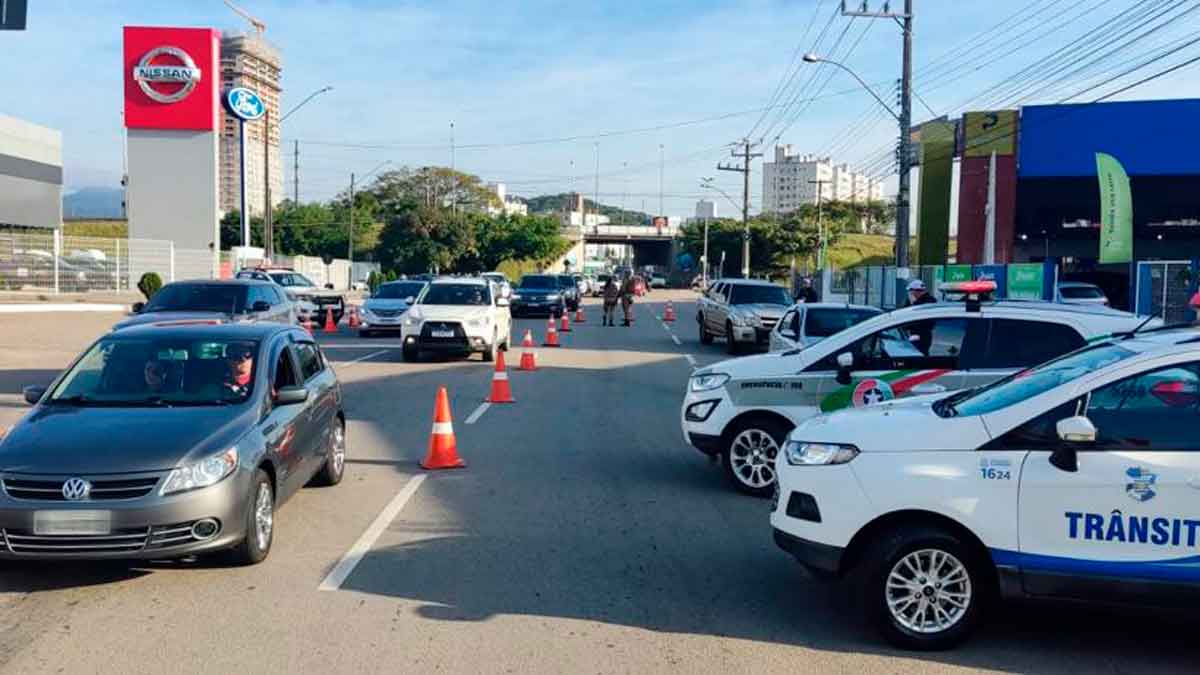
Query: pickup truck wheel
731,345
749,455
410,353
489,354
924,589
706,338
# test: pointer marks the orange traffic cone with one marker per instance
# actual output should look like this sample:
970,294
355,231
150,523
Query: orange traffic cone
551,334
307,322
330,326
565,326
501,392
669,312
528,361
443,450
579,315
354,320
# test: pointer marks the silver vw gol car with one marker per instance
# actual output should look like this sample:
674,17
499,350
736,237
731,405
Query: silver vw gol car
171,441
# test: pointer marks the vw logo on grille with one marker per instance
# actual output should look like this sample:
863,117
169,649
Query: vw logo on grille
76,489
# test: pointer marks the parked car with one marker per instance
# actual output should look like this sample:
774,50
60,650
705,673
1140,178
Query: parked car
741,410
1071,481
1080,293
501,281
457,316
222,301
742,311
384,311
538,294
658,281
569,290
601,280
164,442
309,298
806,324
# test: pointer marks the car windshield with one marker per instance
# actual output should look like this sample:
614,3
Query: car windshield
1080,292
399,291
161,371
229,299
292,279
456,294
746,294
539,282
823,322
1031,382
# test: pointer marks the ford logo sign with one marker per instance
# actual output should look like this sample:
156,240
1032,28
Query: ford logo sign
245,104
76,489
166,74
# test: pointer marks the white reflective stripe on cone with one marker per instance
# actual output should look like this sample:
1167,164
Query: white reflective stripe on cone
443,428
501,376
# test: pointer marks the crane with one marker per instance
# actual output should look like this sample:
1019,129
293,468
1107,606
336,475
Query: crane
259,26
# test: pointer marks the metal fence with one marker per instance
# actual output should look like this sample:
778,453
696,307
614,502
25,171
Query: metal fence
1164,289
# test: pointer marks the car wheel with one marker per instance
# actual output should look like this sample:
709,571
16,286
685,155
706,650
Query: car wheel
731,345
706,338
489,354
410,353
260,523
750,452
923,588
335,458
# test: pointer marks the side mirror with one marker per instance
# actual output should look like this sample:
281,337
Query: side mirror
845,362
1076,429
138,307
329,287
261,306
409,300
291,395
33,394
502,302
915,338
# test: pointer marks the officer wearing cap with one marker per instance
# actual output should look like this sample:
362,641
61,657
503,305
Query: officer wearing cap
917,294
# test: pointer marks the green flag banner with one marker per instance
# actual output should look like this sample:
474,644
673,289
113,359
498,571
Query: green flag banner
1116,211
1025,281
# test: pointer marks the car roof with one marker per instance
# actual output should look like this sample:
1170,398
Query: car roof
219,282
1027,305
746,282
835,305
471,281
1076,284
202,330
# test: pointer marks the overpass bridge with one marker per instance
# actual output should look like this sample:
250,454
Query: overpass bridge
650,245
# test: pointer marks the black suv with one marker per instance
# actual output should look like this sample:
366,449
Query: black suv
538,294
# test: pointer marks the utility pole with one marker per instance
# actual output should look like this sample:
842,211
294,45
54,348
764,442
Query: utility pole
820,222
350,239
268,224
903,197
744,169
624,191
596,199
453,175
661,208
296,173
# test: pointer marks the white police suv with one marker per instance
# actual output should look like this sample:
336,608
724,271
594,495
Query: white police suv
1077,479
740,410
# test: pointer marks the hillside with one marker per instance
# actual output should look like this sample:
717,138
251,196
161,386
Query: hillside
556,203
93,202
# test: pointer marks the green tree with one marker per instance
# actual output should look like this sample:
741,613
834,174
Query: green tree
431,187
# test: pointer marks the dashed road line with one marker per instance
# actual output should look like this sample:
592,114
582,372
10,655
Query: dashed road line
474,417
333,581
675,339
361,358
690,359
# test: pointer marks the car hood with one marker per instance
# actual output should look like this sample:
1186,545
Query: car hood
771,364
907,425
762,309
530,292
448,312
313,291
385,303
59,439
157,317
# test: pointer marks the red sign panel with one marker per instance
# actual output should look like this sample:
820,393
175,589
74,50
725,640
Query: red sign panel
172,78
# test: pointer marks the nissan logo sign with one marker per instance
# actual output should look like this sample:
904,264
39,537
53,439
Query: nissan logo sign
152,77
76,489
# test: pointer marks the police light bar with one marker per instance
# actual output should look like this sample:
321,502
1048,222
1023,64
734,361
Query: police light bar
968,287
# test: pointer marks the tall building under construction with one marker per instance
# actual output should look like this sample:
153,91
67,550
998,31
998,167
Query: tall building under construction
248,60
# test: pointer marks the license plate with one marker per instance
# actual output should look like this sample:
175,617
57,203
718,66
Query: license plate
442,333
72,522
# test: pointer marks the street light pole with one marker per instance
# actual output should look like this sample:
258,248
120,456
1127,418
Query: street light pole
296,143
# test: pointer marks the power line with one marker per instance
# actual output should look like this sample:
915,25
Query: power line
783,79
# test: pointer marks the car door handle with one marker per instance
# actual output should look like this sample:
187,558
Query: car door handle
266,431
927,388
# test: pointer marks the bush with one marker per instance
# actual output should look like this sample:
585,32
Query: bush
149,284
374,279
515,269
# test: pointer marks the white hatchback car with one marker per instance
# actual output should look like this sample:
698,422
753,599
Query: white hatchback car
457,316
1076,479
807,323
740,410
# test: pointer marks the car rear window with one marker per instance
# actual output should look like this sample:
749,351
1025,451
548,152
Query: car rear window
224,298
745,294
538,281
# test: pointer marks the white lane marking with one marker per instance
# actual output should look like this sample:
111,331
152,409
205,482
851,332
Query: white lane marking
333,581
690,359
351,345
361,358
675,339
483,407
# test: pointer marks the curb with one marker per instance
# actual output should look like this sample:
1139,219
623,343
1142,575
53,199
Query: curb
28,308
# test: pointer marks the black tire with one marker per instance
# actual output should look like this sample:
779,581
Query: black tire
888,552
365,334
753,474
731,345
410,354
250,551
334,468
488,355
706,338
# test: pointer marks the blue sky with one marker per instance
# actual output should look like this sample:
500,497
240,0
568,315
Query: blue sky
515,72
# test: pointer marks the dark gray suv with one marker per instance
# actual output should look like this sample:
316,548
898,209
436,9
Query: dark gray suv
170,441
230,300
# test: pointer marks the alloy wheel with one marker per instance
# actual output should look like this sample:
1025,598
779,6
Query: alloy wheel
752,457
928,591
264,516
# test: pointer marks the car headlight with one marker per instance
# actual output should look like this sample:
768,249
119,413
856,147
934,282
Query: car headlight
366,310
800,453
410,320
515,296
552,297
708,381
204,473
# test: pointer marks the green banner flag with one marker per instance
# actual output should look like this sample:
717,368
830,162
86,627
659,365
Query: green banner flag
1025,281
1116,211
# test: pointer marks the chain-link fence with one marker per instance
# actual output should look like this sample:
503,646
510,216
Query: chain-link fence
1164,289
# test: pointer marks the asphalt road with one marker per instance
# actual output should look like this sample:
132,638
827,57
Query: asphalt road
583,536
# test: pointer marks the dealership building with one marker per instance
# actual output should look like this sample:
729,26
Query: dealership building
31,174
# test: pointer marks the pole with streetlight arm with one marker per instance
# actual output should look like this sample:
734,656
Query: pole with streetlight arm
296,143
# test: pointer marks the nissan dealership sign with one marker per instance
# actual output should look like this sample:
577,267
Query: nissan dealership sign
167,74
